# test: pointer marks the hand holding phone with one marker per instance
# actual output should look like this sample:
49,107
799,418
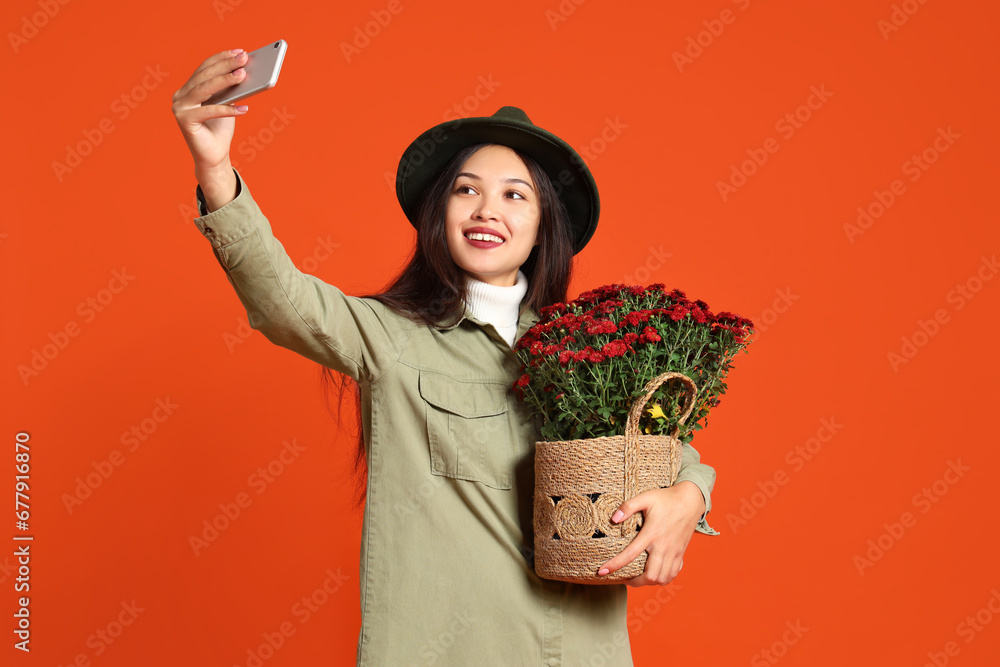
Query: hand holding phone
262,68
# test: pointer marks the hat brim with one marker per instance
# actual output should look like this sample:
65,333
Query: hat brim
429,153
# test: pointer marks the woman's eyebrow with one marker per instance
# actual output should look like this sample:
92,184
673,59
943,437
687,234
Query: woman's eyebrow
506,180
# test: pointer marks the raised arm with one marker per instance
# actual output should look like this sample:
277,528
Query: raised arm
358,337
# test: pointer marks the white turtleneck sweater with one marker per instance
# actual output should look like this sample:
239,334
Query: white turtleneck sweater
497,305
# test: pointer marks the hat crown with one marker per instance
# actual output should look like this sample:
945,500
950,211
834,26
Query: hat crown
512,114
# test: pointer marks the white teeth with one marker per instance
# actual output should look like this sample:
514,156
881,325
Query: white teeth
476,236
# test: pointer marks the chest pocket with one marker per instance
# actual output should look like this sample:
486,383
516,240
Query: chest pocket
467,429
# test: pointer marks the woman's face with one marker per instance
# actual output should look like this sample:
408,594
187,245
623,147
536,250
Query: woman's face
492,216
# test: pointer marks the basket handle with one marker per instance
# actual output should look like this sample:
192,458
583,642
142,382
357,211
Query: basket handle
635,414
632,437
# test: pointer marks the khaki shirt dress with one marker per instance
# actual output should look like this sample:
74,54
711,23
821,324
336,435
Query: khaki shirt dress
446,571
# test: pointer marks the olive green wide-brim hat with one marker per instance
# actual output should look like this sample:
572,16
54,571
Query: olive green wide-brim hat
429,153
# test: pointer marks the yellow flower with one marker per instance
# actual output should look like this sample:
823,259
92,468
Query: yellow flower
656,411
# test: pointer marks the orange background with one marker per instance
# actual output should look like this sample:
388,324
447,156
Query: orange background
175,332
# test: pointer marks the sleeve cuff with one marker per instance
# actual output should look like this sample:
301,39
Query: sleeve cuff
703,476
702,526
231,222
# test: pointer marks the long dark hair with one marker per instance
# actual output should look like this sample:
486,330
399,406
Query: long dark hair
431,288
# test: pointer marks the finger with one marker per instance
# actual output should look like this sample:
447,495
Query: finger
641,580
191,110
627,555
191,120
656,572
211,78
631,506
203,90
217,58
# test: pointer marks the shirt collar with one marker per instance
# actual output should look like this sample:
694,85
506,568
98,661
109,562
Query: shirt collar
527,318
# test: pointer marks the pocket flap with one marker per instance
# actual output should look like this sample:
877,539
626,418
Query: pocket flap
463,398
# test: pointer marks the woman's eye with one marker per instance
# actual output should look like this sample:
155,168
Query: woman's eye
515,194
464,189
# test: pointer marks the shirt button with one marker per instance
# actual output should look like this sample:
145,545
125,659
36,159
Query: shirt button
553,662
553,610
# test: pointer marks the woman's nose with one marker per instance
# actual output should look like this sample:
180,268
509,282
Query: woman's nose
488,208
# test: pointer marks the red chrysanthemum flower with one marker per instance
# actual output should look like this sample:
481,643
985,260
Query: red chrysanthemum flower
637,317
615,348
650,335
600,327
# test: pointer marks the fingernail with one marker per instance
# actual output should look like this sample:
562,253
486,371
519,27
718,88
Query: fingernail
603,571
236,51
617,516
242,108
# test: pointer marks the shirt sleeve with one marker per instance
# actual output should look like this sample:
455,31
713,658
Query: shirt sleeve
359,337
693,470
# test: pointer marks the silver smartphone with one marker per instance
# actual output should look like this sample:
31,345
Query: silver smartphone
263,66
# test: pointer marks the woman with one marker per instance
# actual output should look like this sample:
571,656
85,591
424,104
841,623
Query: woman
446,572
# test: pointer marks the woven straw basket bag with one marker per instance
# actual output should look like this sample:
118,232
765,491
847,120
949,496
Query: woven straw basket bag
580,483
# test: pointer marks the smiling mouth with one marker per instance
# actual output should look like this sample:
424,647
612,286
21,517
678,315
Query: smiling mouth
479,236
